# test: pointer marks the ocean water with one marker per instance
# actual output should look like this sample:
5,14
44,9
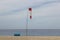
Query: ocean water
31,32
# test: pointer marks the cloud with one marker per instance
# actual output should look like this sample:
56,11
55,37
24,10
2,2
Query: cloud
13,14
11,6
46,18
16,21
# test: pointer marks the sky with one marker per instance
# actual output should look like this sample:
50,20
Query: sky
45,14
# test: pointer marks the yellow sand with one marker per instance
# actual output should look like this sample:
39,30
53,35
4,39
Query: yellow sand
30,38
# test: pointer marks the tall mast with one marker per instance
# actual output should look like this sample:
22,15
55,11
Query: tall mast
30,12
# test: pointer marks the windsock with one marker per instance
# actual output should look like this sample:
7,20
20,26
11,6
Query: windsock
30,10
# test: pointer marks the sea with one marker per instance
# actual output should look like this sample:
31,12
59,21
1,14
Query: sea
30,32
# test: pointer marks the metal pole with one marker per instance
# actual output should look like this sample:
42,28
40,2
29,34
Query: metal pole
27,25
30,10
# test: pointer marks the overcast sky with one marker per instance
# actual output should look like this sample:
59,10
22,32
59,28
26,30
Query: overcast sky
45,13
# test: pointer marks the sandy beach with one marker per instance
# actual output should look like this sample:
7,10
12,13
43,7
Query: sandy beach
30,38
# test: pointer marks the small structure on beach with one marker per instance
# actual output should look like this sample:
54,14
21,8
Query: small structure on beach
17,34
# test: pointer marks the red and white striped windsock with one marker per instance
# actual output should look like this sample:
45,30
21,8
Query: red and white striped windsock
30,10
